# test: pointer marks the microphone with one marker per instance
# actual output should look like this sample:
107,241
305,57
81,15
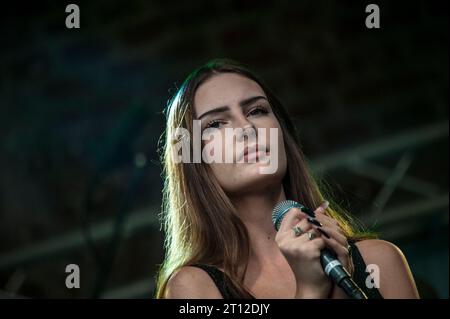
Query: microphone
328,259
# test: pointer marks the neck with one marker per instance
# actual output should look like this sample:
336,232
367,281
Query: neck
255,211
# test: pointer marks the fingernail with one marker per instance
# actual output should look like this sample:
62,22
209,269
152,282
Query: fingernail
314,222
308,211
323,233
325,204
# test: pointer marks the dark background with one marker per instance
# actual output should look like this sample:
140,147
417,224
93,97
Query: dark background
81,115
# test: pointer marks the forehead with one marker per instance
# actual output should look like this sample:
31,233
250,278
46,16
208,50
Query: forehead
224,89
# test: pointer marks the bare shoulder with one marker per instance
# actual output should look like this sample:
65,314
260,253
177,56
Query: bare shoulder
190,282
395,277
376,248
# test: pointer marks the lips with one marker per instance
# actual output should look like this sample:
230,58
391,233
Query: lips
252,149
249,150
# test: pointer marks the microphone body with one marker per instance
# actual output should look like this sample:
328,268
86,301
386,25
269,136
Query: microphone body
339,275
328,259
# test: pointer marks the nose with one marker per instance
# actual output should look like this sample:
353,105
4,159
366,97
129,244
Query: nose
248,129
248,132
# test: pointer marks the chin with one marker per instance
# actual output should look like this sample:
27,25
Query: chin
251,180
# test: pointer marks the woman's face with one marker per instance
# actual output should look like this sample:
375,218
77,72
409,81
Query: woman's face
230,100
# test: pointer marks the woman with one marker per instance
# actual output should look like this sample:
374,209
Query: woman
220,239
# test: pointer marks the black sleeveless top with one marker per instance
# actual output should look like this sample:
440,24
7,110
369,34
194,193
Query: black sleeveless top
359,276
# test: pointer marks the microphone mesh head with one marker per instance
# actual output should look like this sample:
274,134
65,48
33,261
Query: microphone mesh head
281,209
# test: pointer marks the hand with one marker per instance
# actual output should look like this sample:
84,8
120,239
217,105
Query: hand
303,255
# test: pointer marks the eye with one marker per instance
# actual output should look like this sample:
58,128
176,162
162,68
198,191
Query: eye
213,124
258,110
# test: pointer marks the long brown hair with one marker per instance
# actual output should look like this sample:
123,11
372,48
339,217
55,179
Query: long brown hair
200,222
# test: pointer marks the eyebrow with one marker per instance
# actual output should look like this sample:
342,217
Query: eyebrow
242,103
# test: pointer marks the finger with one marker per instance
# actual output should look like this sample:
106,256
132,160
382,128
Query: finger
322,208
290,233
335,233
319,243
324,218
312,234
304,225
316,243
292,217
331,223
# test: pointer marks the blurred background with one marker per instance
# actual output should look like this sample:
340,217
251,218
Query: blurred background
81,115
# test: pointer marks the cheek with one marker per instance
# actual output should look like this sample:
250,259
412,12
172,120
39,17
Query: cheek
226,174
213,150
280,151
